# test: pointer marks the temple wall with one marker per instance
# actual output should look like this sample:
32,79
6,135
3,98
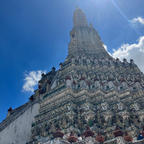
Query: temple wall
19,131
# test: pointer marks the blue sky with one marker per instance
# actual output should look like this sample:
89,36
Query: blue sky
34,36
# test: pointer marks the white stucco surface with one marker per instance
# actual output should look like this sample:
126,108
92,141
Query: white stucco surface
19,131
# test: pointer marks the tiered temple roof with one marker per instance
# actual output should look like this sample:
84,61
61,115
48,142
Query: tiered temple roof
93,89
90,90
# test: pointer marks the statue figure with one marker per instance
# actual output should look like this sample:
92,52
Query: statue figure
73,60
88,61
120,106
131,62
111,85
80,61
86,107
97,84
138,85
83,84
135,106
54,84
124,85
95,62
69,83
104,106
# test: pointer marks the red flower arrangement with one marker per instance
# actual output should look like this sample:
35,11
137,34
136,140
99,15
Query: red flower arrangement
88,133
99,138
142,133
72,139
58,134
118,132
128,138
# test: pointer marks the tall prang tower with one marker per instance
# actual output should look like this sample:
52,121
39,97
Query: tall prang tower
91,94
92,99
84,38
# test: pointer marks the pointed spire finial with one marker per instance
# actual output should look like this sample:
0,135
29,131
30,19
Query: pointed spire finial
79,18
77,7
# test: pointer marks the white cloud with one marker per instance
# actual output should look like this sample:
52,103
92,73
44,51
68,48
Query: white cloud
132,51
138,20
105,47
31,80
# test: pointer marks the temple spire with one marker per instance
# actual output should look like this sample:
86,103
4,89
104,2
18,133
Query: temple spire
84,39
79,18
